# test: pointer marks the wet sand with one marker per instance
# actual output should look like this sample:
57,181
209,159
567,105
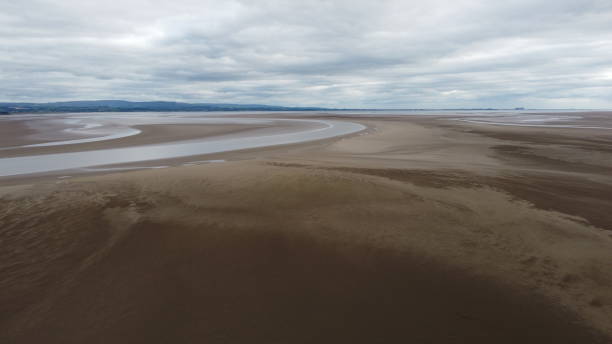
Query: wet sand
422,230
14,133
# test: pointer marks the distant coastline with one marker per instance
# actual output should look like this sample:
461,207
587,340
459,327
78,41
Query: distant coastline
7,108
128,106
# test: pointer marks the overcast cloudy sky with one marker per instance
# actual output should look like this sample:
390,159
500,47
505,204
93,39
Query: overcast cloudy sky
382,54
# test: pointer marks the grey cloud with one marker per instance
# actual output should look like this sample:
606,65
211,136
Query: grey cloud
391,53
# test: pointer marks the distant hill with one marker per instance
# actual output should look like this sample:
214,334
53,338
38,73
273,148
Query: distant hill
127,106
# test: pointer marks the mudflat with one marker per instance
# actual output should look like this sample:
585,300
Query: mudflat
420,230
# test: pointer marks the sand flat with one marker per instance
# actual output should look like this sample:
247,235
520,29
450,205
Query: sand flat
420,230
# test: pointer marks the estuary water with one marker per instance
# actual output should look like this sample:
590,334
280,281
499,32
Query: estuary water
302,130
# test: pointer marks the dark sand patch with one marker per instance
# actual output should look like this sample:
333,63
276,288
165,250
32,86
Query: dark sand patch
171,282
14,132
591,140
524,156
570,195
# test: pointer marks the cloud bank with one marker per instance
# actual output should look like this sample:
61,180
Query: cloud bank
377,54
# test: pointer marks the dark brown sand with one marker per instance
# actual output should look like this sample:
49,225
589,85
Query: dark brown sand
422,231
14,132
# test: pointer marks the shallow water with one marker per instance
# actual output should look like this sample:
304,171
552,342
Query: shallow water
118,135
75,160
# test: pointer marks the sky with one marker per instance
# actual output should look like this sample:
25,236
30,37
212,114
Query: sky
346,54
